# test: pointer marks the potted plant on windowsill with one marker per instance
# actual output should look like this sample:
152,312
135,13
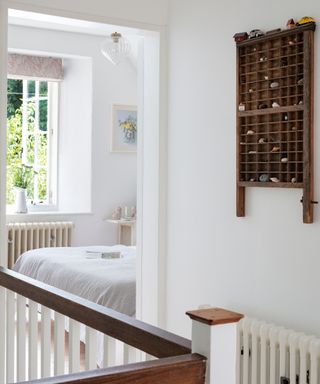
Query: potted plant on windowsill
22,178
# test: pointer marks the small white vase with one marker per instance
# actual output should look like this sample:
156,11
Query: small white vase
21,200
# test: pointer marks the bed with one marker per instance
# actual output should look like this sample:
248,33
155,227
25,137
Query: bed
82,271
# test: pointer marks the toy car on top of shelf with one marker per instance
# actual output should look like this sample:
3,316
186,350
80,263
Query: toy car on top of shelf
255,33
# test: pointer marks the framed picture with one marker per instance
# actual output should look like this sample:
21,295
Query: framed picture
124,128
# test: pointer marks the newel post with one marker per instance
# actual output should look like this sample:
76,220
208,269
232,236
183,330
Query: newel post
214,335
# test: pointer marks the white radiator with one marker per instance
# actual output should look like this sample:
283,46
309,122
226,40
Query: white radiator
268,354
25,236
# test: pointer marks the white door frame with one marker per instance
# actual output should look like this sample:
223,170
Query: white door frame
151,194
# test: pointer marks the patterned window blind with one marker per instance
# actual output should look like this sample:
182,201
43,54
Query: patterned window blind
35,67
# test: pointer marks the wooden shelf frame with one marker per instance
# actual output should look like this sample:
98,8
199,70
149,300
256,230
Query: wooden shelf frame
285,57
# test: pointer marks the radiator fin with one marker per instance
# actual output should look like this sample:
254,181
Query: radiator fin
268,354
23,237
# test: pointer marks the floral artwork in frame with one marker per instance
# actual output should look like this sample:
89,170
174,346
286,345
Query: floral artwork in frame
124,128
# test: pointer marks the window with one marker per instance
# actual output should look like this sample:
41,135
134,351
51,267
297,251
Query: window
31,139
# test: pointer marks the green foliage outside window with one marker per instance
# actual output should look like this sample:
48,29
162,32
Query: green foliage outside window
19,173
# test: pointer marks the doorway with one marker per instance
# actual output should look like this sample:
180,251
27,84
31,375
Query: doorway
151,165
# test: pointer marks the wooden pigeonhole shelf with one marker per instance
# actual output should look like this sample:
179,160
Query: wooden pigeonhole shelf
275,141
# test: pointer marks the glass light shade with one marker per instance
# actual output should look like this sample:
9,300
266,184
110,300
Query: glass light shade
116,48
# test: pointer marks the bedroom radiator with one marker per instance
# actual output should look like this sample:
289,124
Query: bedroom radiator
25,236
267,354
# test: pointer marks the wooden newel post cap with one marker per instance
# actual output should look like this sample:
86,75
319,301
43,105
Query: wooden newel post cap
215,316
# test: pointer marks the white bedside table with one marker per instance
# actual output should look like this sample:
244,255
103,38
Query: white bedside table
126,231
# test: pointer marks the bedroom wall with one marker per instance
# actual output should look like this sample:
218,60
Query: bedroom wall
111,177
266,264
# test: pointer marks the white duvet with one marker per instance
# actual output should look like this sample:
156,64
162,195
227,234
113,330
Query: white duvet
81,271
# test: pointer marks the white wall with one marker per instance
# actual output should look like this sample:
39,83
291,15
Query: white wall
137,11
266,264
75,129
113,175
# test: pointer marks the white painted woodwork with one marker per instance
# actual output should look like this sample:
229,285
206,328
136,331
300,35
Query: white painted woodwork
129,354
109,351
91,349
10,354
218,344
74,346
45,341
21,338
2,334
33,340
59,329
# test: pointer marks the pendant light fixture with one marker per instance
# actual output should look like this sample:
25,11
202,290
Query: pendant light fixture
116,48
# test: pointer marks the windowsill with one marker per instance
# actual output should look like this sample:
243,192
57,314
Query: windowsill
12,215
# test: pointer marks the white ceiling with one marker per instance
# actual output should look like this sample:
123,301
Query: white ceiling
38,20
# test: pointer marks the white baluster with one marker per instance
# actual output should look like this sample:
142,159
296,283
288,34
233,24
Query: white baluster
21,338
74,346
129,354
91,348
45,341
2,334
33,340
109,351
10,336
59,329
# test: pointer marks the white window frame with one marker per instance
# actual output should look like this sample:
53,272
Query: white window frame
53,96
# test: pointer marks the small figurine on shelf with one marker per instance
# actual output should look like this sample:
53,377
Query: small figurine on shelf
305,20
242,107
274,84
284,160
252,180
241,36
263,106
293,180
266,77
255,33
286,117
300,81
116,215
275,149
250,132
264,178
126,215
251,90
274,179
263,58
262,140
275,105
133,212
291,24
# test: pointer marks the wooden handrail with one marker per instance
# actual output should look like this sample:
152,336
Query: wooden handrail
186,369
145,337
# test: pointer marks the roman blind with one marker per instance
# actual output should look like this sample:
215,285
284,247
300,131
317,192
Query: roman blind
35,67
